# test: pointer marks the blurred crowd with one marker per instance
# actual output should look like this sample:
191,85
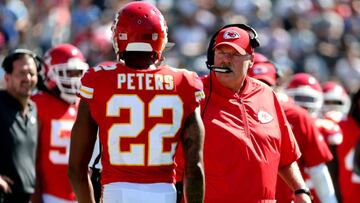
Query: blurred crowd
321,37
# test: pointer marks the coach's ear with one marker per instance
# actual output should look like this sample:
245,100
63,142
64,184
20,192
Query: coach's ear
252,61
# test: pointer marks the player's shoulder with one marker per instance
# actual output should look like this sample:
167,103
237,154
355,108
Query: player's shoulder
178,71
101,69
183,74
96,76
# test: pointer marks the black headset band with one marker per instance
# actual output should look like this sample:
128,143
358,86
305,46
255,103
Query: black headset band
9,59
254,40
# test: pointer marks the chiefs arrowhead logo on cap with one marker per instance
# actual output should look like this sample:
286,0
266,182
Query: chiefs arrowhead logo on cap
231,34
264,117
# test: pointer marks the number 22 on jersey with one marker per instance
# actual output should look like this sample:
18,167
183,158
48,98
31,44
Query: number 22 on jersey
136,106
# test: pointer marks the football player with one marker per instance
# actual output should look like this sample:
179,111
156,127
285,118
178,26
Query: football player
57,110
142,113
307,92
348,153
336,101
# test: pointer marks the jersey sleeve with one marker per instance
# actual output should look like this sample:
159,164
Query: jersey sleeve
86,90
193,89
290,151
313,145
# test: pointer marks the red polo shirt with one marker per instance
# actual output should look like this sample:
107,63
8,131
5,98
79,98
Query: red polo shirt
247,139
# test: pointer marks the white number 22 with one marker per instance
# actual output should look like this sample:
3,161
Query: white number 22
136,106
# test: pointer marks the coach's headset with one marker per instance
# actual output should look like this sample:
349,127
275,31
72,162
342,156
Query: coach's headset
9,59
254,43
39,62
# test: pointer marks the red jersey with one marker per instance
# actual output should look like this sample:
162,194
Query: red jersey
247,139
349,182
56,118
140,114
311,143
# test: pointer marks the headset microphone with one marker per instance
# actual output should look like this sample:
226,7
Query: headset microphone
218,68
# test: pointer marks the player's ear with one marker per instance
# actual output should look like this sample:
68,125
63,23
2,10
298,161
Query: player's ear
158,62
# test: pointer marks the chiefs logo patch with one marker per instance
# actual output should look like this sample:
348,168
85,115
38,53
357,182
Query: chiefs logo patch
264,117
231,34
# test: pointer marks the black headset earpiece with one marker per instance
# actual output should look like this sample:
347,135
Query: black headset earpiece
254,40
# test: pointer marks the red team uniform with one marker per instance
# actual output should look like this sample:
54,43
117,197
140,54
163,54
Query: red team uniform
56,118
141,119
255,138
311,143
57,110
349,182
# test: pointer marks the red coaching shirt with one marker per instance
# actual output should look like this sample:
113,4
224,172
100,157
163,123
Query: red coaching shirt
311,143
140,114
247,138
56,118
349,182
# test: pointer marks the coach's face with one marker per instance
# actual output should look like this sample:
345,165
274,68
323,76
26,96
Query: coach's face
227,56
23,78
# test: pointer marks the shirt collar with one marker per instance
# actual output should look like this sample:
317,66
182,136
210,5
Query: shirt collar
220,89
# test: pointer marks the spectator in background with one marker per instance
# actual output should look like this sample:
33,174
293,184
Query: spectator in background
8,21
83,15
57,109
347,68
315,152
53,26
349,181
18,127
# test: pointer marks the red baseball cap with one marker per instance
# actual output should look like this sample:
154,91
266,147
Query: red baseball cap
236,37
264,72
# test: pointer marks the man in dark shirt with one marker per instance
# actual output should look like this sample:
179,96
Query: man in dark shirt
18,127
